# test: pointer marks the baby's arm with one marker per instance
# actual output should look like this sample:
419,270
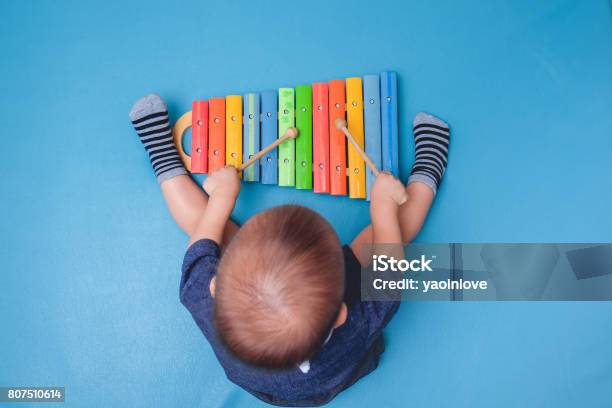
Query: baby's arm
384,213
222,187
431,141
187,204
410,217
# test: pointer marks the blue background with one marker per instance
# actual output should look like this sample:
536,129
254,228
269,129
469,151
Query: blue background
90,257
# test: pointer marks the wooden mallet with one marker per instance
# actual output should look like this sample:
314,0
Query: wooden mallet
400,196
290,133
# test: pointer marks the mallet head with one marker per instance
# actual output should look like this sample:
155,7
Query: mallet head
340,123
292,133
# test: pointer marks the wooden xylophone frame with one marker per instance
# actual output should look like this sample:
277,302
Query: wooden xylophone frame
227,131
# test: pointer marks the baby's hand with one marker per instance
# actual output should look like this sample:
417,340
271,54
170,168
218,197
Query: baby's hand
387,191
223,182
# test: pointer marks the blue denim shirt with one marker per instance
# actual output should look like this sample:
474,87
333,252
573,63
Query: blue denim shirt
351,352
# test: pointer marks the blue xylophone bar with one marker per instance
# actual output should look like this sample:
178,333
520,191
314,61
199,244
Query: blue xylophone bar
388,97
250,134
371,116
269,133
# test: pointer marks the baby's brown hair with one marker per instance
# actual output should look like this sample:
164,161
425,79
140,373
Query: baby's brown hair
279,287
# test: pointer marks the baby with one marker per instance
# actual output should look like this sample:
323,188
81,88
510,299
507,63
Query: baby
279,298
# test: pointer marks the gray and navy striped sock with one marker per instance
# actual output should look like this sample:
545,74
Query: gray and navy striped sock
150,119
431,139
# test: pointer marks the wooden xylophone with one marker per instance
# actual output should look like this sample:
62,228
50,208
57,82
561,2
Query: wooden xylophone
228,131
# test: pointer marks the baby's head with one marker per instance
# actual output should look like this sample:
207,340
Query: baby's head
279,287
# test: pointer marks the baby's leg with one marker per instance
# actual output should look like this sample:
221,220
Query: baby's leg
432,137
185,200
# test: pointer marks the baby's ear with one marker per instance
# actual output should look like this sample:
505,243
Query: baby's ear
213,286
342,315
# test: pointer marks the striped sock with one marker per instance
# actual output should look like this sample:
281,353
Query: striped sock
150,119
431,139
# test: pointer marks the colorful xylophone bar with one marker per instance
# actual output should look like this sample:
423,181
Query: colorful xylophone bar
232,129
